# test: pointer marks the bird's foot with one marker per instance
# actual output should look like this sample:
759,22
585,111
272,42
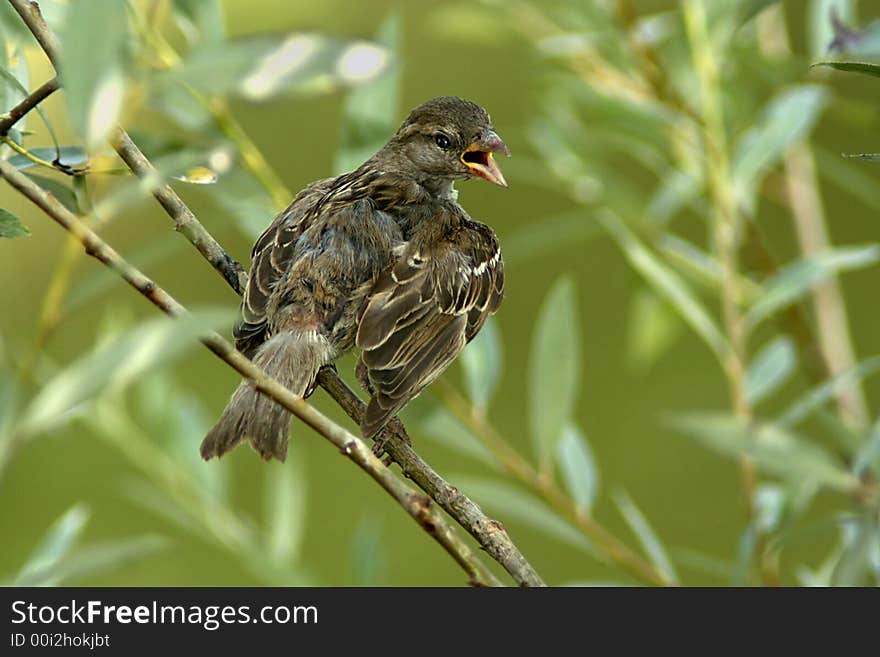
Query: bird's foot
394,429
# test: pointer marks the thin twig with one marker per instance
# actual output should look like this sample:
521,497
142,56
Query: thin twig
490,533
30,101
726,226
418,506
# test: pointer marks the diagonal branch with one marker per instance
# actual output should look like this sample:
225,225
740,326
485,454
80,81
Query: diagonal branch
33,99
491,535
418,506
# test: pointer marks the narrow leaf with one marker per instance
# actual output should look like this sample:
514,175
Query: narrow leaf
54,545
554,369
869,157
444,428
512,503
650,542
201,21
579,470
286,505
865,68
666,283
103,558
821,394
772,367
775,450
788,118
115,364
481,360
794,281
261,68
653,329
58,189
93,43
10,226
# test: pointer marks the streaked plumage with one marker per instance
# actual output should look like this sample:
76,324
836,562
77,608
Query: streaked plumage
383,258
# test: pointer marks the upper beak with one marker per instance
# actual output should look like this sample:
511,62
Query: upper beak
478,157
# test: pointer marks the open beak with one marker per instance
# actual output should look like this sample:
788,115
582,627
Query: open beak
479,161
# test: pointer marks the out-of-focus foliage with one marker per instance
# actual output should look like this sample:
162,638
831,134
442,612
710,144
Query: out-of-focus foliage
643,137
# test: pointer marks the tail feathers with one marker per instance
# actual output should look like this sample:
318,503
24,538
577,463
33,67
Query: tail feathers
293,359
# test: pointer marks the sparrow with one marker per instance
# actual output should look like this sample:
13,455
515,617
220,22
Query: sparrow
383,259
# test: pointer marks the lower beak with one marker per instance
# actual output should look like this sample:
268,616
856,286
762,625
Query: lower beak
479,161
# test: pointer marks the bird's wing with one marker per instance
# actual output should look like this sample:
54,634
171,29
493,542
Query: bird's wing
422,311
270,259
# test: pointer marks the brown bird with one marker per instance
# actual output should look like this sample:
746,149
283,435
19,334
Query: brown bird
383,258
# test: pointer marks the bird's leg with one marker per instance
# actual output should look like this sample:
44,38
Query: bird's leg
360,373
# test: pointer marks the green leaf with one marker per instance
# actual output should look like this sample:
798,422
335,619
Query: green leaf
561,230
58,189
481,361
370,111
650,542
115,364
201,21
261,68
10,226
286,504
773,448
868,455
102,558
93,45
67,156
818,396
652,329
55,544
554,369
868,157
368,554
444,428
745,551
771,368
512,503
862,549
748,9
579,470
797,279
788,118
666,283
865,68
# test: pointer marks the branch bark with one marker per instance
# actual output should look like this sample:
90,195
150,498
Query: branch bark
418,506
33,99
489,533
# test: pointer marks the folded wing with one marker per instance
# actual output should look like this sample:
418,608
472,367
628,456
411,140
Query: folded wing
421,313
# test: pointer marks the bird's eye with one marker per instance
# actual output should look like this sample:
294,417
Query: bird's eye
442,140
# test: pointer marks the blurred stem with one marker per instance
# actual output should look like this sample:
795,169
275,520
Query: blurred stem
725,225
515,464
808,215
830,308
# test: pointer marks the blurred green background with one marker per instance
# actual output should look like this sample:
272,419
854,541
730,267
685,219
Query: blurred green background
592,117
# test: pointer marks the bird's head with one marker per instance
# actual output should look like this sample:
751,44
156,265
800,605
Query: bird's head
450,138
